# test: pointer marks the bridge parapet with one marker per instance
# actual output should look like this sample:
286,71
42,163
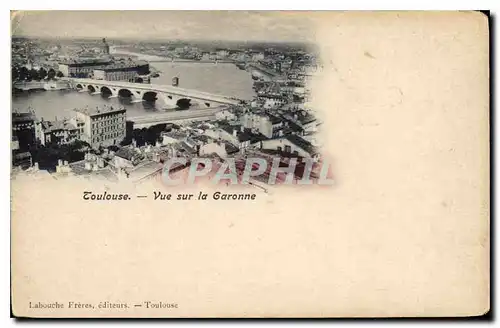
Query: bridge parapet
165,89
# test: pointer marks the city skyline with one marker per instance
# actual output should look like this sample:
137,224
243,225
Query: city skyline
236,26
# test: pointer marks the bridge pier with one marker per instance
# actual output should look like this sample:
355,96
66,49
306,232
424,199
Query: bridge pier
170,101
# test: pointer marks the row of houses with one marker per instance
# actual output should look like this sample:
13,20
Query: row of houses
270,135
288,133
100,126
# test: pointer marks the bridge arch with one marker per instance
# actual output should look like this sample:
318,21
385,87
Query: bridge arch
106,92
150,96
183,103
126,93
181,97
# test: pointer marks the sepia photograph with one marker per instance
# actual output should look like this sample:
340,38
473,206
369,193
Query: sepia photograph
249,164
119,106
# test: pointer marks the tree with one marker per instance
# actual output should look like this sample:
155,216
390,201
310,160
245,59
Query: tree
15,73
24,74
42,73
51,74
59,74
34,75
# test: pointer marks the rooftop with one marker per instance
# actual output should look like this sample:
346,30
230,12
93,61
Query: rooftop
90,61
105,174
204,138
22,116
130,154
144,170
179,135
244,134
123,64
49,126
305,118
302,143
274,119
294,126
98,110
230,148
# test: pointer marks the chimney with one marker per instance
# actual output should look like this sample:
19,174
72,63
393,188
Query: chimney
59,162
242,128
235,132
65,162
36,165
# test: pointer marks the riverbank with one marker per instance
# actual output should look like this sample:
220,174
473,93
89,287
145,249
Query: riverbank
26,86
155,58
223,79
40,85
256,72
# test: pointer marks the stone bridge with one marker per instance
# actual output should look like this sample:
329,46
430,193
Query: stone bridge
171,96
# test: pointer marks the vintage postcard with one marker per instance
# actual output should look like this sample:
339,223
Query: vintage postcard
249,164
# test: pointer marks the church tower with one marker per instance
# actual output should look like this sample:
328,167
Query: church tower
105,46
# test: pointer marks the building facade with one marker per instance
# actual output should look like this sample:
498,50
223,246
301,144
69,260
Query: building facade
104,126
23,129
129,72
264,123
82,68
225,114
59,132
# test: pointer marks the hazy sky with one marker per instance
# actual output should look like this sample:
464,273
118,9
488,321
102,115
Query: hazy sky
214,25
